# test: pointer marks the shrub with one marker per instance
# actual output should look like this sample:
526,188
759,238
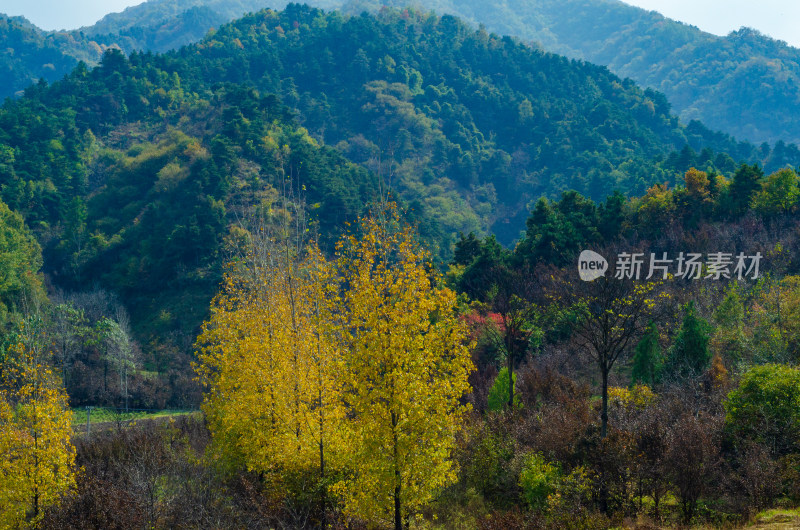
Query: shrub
489,457
498,394
765,408
538,480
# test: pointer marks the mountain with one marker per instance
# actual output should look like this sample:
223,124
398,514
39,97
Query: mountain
470,125
163,25
136,175
134,185
28,54
154,12
745,84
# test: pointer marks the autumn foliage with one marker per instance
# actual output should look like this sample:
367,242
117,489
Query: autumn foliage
37,458
351,370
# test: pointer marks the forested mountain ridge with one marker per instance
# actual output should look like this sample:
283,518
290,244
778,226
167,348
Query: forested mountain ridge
134,175
148,14
29,54
462,118
163,25
744,84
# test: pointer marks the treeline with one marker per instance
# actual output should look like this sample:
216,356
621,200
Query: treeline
706,210
667,398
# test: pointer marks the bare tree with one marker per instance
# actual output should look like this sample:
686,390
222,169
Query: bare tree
609,316
65,325
511,297
120,351
692,458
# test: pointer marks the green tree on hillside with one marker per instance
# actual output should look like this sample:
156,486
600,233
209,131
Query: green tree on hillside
20,261
743,187
778,194
765,407
647,361
690,354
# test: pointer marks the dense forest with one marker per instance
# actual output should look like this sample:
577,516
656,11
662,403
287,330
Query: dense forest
353,243
667,402
156,25
704,77
131,173
743,83
29,54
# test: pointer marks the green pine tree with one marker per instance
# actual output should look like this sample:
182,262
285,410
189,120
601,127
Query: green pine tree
690,354
648,360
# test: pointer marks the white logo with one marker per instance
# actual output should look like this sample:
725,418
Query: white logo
591,266
689,266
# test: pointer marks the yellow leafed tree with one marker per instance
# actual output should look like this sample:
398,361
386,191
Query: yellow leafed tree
270,364
407,367
37,458
354,370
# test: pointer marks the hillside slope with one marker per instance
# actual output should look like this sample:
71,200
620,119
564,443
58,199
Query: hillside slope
745,84
29,53
470,125
134,175
136,186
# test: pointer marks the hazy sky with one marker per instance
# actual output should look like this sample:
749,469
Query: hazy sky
777,18
64,14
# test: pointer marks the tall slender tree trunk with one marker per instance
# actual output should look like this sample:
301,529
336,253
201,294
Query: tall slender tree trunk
510,354
656,502
36,427
510,383
603,432
398,516
604,411
323,494
323,500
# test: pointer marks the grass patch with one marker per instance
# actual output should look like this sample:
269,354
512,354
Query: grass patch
105,415
777,518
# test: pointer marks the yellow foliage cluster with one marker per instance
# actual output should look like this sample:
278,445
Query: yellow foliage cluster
269,361
353,369
37,458
639,396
